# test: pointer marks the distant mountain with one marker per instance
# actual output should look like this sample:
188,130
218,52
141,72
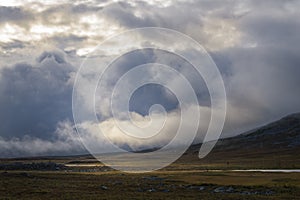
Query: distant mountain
284,133
275,145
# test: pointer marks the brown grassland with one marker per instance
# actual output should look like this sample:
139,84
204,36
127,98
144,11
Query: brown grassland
188,178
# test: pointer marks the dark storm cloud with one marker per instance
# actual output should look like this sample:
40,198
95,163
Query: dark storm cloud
36,108
264,89
263,82
143,97
261,71
34,98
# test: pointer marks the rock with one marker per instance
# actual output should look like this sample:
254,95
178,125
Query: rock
201,188
103,187
245,193
152,190
195,187
230,190
224,190
269,192
220,190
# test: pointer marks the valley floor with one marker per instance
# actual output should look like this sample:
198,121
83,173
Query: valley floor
156,185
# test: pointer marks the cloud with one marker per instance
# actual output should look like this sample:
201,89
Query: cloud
254,44
51,22
67,143
14,14
159,129
34,98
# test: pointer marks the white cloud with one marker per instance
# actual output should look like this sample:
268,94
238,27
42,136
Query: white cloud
68,142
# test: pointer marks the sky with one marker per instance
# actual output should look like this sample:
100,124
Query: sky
254,44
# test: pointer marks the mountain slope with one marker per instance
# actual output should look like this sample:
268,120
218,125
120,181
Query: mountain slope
284,133
275,145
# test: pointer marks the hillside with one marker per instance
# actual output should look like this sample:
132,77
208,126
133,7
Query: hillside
275,145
